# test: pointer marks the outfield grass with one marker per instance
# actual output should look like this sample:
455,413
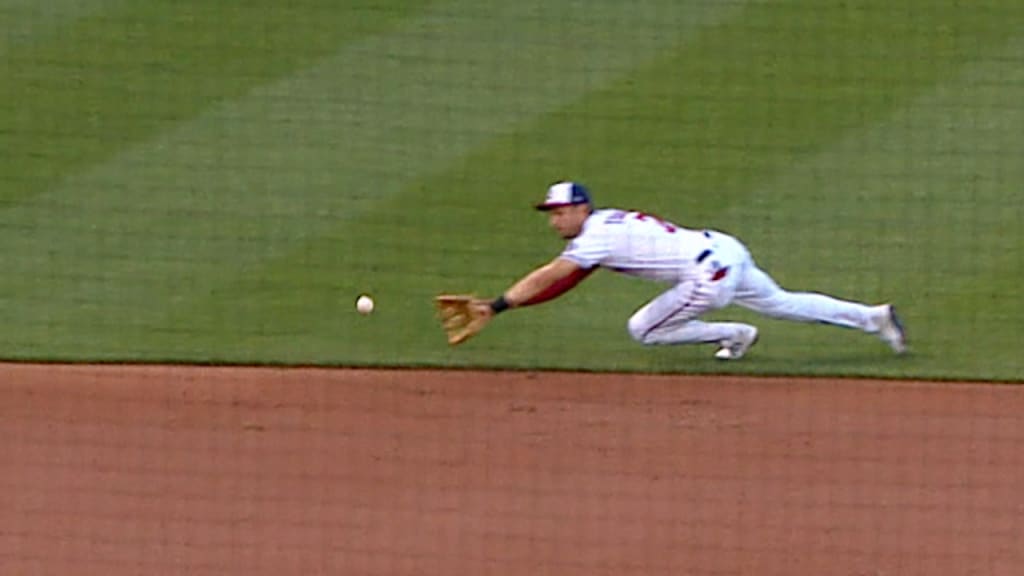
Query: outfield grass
193,181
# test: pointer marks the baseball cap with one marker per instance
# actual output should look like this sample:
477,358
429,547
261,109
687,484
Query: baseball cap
564,194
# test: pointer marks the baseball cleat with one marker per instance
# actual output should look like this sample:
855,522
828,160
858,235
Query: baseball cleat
735,349
891,330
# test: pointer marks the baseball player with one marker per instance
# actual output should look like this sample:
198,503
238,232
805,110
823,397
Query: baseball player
705,270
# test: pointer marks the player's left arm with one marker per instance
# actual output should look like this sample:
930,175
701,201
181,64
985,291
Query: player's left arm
464,316
545,283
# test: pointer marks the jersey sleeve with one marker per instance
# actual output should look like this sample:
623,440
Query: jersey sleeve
588,249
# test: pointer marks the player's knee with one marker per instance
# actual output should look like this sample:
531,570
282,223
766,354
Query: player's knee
638,329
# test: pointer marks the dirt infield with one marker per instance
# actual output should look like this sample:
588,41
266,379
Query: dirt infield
214,471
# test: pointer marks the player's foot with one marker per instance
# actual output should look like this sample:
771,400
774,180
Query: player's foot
735,349
890,329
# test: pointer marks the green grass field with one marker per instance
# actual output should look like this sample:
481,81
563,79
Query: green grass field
205,182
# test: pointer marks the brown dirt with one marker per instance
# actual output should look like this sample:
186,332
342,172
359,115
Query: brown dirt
215,471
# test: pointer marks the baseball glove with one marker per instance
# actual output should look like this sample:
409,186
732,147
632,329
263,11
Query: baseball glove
462,316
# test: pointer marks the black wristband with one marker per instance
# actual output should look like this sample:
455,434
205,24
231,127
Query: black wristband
499,305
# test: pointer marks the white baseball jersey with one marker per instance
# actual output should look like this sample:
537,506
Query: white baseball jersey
638,244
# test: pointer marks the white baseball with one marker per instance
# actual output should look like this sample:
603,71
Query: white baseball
364,304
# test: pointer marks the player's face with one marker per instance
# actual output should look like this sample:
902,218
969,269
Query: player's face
568,220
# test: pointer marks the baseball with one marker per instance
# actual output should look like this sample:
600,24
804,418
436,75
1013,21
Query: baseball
364,304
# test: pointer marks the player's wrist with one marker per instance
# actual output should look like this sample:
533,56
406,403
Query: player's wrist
499,304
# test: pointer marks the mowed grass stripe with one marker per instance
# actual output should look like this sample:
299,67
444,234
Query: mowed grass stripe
177,217
120,76
26,21
758,94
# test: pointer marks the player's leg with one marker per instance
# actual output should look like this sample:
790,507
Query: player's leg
757,291
671,318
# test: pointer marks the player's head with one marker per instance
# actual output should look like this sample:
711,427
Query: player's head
568,205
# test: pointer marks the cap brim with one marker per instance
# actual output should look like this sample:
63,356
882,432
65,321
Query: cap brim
545,207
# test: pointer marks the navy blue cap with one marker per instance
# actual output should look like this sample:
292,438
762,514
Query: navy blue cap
564,194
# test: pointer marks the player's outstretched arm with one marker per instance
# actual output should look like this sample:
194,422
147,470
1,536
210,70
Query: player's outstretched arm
545,283
463,316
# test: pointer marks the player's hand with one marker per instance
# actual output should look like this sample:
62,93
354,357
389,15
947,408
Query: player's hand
483,308
462,316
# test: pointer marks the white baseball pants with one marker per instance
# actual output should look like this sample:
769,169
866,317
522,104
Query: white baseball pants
730,276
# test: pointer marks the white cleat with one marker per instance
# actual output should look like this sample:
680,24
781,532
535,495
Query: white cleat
891,330
735,349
